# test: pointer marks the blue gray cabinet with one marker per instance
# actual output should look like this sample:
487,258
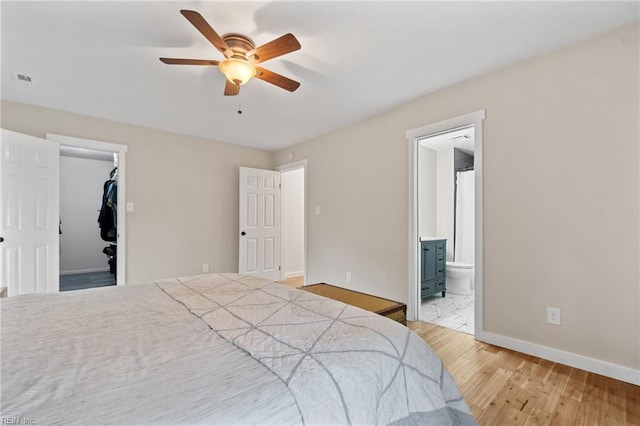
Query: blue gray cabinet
433,263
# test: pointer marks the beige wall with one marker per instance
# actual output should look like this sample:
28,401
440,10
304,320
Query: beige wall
561,197
185,190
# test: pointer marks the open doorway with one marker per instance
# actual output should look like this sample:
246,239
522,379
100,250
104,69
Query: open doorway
88,226
446,215
99,163
293,181
417,259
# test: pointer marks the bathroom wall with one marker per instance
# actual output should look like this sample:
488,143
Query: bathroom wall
436,196
445,197
427,191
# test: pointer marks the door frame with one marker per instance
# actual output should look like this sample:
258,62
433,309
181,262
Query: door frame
121,150
302,164
474,119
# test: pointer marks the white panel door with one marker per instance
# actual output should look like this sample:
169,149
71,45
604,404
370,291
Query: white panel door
29,214
259,223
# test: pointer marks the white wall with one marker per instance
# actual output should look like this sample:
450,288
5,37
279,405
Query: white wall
81,182
560,229
445,197
293,222
427,190
185,190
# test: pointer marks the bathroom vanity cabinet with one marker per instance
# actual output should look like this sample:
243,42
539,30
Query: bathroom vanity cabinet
433,253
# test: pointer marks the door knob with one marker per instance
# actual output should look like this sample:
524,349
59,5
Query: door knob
1,239
243,233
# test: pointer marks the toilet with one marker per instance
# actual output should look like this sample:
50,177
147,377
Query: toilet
459,278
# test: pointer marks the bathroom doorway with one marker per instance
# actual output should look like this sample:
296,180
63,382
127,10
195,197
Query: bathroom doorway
432,207
446,213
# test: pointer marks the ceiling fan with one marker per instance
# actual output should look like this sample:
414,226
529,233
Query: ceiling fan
241,56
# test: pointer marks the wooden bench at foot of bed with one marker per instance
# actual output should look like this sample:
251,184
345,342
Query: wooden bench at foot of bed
391,309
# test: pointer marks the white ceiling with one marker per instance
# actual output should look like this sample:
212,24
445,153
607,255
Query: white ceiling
357,58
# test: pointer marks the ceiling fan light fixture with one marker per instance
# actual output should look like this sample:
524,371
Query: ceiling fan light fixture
237,71
237,49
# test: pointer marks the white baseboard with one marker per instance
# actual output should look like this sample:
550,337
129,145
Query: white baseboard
84,271
592,365
294,274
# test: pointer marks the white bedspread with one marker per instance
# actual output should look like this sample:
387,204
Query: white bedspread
215,349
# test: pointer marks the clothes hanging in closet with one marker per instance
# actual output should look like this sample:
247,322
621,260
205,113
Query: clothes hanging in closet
107,219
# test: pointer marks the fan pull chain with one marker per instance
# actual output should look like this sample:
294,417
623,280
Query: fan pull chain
239,104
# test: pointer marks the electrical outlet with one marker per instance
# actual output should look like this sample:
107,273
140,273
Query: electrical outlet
205,267
553,316
348,277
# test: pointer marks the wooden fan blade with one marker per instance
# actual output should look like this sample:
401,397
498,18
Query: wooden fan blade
278,47
205,29
231,89
276,79
174,61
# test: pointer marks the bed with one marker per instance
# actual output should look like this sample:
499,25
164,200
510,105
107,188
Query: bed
215,349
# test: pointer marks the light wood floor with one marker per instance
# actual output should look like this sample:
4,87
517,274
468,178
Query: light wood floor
296,282
503,387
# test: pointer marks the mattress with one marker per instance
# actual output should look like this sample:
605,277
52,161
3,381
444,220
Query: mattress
215,349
